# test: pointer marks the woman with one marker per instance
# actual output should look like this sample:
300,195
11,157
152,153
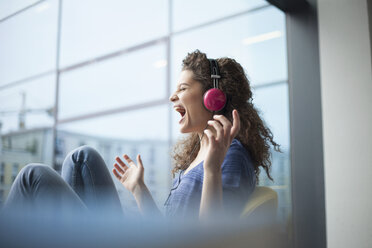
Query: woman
218,163
230,146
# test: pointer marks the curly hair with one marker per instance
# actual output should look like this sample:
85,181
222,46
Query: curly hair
254,135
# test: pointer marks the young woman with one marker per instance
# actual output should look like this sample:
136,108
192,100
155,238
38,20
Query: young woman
217,164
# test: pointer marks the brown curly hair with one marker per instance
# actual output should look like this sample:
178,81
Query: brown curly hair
253,134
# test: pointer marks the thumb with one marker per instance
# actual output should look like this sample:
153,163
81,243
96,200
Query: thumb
139,161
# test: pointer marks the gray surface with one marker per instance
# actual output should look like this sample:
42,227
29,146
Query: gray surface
309,227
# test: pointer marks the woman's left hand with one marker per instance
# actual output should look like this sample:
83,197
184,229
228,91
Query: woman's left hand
220,140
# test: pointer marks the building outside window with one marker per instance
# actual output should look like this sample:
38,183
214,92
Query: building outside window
2,173
15,169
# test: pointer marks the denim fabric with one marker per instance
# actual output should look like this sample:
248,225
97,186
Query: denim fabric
238,182
85,185
87,174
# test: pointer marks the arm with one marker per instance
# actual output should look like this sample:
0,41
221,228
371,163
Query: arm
145,202
218,144
132,178
211,200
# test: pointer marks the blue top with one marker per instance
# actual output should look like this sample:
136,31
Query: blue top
238,182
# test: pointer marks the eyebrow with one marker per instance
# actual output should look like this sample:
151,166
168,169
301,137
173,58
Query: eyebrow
183,84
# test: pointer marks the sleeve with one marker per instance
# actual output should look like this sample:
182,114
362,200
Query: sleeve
234,188
232,168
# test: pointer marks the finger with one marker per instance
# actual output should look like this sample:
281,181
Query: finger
121,163
118,168
210,135
129,160
218,127
116,174
226,124
236,124
139,161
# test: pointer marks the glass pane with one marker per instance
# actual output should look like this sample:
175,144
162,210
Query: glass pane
143,131
193,12
28,43
126,80
28,105
93,28
272,102
8,7
260,47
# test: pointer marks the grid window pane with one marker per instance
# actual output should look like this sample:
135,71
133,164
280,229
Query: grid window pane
260,46
22,106
272,102
28,43
193,12
93,28
126,80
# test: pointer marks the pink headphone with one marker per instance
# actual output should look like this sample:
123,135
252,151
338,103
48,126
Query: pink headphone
214,99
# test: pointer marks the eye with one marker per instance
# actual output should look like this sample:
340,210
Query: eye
182,88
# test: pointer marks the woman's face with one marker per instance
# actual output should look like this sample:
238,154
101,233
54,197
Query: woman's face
188,101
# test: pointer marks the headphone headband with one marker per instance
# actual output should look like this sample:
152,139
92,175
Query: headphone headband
215,72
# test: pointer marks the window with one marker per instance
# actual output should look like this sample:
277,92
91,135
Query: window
28,43
118,63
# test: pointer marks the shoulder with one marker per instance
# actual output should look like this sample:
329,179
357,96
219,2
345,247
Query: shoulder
237,157
236,165
237,152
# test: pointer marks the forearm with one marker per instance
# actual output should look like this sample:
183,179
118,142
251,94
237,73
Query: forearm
211,199
145,202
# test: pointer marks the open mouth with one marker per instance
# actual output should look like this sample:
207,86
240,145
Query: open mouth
182,112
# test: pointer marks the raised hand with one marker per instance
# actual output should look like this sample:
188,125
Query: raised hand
131,175
220,139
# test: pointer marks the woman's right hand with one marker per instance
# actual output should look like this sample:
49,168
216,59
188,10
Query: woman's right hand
131,175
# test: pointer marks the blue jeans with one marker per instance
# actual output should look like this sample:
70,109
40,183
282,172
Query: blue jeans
85,184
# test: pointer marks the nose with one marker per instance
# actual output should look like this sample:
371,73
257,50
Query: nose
173,97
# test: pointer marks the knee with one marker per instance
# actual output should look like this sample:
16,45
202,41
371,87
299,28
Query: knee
84,154
34,170
34,167
86,150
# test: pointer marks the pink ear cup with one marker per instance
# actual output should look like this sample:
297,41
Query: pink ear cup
214,99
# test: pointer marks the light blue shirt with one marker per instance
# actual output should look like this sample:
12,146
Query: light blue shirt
238,182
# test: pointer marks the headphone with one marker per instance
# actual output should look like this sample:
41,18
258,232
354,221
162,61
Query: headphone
214,99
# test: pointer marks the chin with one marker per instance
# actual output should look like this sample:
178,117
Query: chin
184,130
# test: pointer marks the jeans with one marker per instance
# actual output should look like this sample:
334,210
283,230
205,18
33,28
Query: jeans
85,184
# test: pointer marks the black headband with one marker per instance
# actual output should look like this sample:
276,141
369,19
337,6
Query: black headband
215,72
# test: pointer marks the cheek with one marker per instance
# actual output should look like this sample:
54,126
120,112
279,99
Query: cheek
196,104
197,98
